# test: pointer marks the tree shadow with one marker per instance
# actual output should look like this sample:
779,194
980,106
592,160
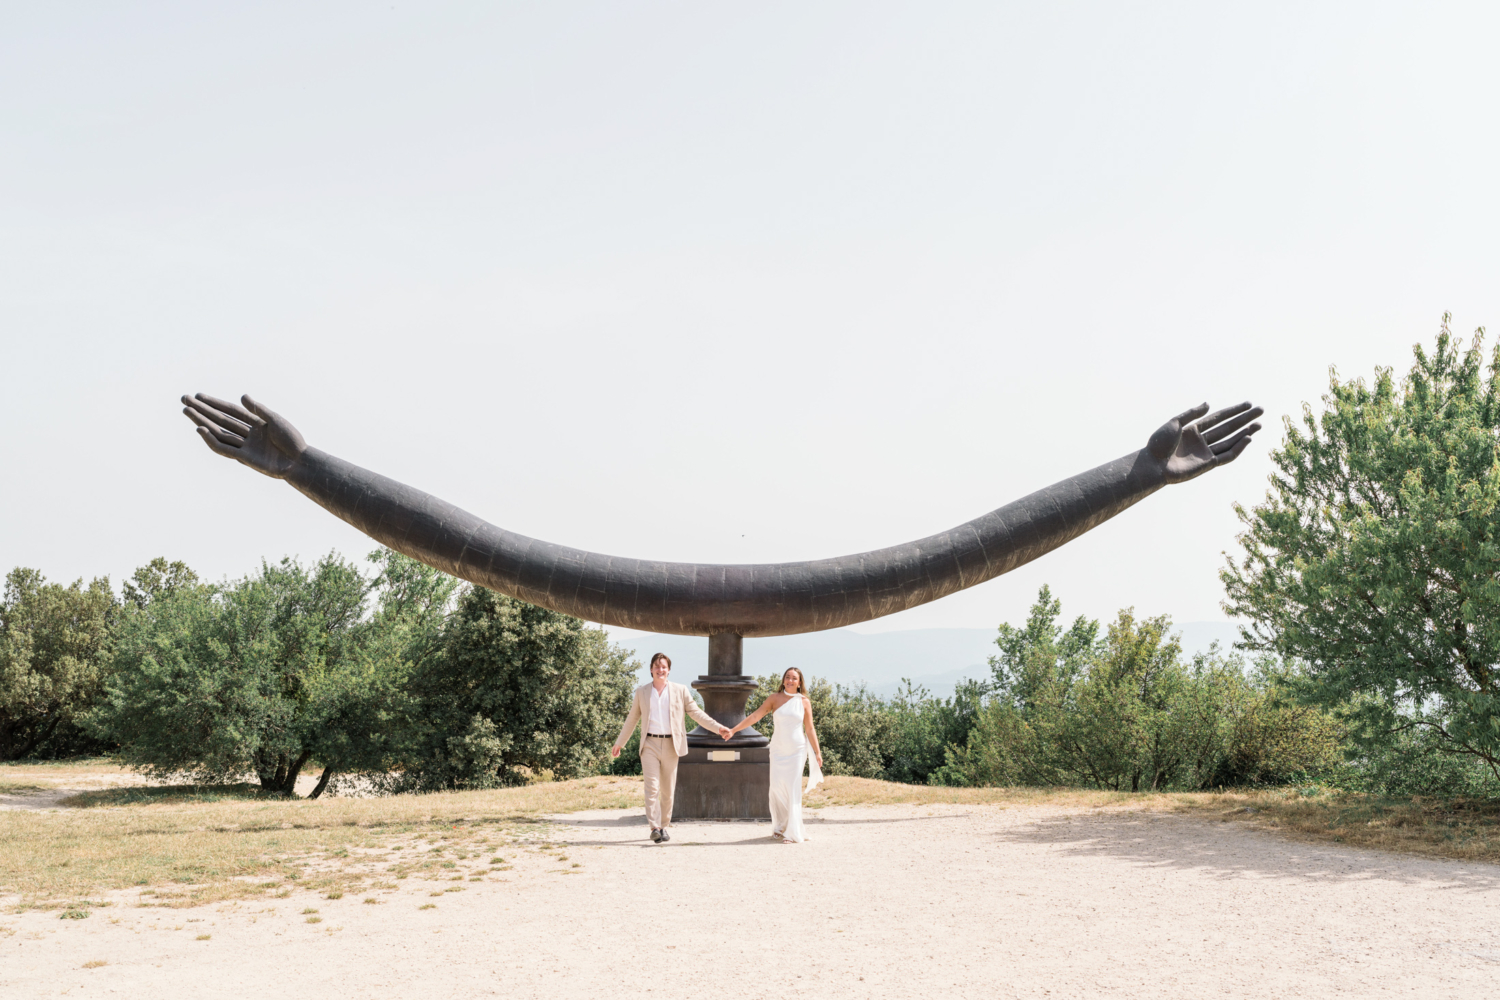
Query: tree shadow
634,818
637,818
1229,851
168,795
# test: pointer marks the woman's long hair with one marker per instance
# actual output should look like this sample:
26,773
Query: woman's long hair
801,681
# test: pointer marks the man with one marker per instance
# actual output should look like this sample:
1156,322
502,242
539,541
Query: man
659,706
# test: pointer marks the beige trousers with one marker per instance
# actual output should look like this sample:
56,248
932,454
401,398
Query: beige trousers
659,767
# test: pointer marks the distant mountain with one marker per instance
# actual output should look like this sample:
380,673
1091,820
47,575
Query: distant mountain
936,658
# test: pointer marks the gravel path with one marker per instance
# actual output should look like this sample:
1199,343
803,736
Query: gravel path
894,901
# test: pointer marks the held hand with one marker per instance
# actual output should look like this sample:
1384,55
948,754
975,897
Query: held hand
726,732
614,751
1190,443
251,434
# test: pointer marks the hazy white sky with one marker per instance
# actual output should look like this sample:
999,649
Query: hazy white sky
722,282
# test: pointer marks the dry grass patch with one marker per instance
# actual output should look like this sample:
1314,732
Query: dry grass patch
1463,829
42,775
58,771
844,791
182,846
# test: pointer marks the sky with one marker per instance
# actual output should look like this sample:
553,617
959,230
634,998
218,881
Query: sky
716,282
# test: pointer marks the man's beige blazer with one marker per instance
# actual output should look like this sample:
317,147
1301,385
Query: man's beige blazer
679,702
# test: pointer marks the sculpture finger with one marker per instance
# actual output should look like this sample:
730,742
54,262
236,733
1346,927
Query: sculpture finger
217,417
1187,416
224,437
1228,427
1233,453
1243,437
233,409
217,445
1222,414
205,424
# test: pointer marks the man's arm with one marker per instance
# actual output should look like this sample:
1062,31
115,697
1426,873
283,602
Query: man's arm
630,721
701,717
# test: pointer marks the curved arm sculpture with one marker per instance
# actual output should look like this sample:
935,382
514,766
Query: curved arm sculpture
708,599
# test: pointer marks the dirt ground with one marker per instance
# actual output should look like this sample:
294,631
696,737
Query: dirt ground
887,901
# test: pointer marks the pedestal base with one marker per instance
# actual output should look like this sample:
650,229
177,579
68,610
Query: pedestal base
723,789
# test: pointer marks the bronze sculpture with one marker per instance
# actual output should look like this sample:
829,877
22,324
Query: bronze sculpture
724,602
707,599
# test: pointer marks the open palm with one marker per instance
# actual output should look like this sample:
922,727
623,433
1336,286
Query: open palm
1191,443
251,434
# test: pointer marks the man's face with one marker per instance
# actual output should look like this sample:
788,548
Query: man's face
660,670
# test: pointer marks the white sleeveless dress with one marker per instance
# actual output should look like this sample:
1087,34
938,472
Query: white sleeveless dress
789,752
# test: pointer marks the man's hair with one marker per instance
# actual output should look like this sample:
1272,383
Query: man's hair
664,658
801,680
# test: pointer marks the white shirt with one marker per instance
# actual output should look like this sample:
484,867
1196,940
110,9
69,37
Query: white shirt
659,722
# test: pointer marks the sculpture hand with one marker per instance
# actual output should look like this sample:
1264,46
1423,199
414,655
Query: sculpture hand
1190,443
251,434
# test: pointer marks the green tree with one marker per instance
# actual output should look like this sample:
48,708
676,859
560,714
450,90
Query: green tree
513,686
1374,561
1017,736
924,727
158,578
364,706
54,649
262,675
1039,662
1117,728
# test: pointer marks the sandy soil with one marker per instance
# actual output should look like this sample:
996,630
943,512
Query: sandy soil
893,901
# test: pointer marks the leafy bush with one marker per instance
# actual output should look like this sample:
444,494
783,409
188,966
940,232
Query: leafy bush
54,651
855,731
512,689
264,675
1123,712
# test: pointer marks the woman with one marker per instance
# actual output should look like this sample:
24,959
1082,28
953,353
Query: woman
790,741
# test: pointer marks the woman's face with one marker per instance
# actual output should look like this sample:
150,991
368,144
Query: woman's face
792,682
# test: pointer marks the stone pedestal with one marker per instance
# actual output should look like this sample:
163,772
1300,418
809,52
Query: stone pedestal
725,788
719,780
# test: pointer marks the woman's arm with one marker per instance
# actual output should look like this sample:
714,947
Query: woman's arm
773,701
702,599
810,729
